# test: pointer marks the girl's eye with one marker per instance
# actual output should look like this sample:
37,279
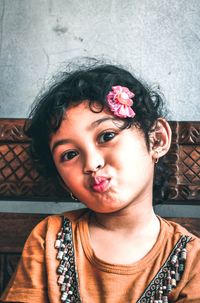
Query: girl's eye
107,136
66,156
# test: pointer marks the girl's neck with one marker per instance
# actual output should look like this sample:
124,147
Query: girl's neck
128,235
134,219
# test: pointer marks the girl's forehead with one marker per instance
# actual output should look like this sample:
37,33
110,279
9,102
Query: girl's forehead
84,114
80,120
75,109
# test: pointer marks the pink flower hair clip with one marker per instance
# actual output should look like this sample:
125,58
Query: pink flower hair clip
120,102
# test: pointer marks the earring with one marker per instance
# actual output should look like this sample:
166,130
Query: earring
156,159
73,197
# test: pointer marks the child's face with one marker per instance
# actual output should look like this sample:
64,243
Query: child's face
107,168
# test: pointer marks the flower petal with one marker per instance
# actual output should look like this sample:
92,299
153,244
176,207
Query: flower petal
120,102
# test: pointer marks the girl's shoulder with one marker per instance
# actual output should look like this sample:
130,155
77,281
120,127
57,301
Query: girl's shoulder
174,231
52,224
176,228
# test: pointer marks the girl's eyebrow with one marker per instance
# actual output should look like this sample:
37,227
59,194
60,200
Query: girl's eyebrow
93,124
99,121
59,142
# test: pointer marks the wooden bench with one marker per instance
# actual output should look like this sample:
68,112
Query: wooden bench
20,181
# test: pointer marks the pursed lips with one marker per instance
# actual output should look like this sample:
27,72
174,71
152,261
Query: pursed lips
100,183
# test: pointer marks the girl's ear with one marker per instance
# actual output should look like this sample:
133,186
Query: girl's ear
160,139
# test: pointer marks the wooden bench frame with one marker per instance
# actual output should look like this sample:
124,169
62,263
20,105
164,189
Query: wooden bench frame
20,181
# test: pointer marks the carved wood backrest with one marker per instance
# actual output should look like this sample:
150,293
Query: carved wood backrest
19,180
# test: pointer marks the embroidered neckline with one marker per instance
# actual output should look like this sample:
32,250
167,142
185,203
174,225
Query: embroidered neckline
168,276
158,289
68,276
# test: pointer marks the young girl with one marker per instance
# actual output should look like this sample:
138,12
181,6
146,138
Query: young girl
101,132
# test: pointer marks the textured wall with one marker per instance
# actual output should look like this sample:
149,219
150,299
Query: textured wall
160,39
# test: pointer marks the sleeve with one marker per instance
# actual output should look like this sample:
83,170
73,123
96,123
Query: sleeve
190,292
29,283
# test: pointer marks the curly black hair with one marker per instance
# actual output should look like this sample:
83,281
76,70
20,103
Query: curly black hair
93,83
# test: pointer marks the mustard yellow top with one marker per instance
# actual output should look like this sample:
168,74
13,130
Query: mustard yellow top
35,279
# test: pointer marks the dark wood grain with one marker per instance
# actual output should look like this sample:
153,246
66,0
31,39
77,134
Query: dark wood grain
14,229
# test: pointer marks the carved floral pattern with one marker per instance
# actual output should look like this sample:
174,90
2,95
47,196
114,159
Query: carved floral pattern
19,179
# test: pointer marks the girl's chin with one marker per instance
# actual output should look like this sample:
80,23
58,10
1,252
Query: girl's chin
108,207
104,202
108,211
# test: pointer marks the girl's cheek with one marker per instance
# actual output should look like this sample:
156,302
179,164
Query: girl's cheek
80,191
70,174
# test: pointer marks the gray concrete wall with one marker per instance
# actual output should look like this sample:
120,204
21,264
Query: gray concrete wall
158,39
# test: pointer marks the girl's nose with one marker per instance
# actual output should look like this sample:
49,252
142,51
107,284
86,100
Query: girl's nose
93,162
